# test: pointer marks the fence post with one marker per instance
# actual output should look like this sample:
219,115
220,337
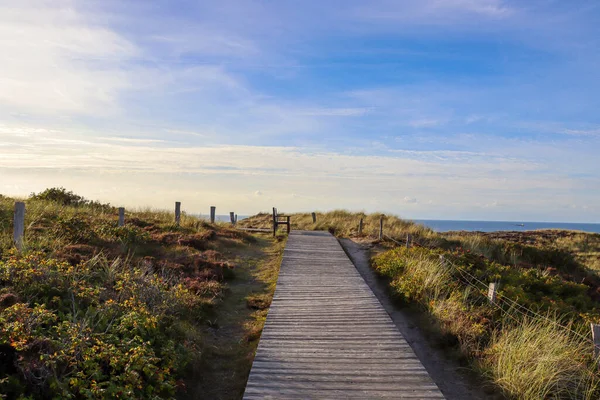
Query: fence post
274,221
177,212
19,224
121,216
232,218
360,227
235,219
314,217
492,290
213,211
596,339
407,240
381,228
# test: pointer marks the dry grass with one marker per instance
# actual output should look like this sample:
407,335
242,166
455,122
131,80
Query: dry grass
345,223
536,359
232,338
528,358
560,247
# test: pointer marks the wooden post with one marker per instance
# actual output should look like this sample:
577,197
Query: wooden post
177,212
235,219
314,217
232,218
381,228
121,216
596,339
407,240
19,224
492,291
360,227
213,211
274,221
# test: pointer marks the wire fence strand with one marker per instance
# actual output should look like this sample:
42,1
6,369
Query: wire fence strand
511,304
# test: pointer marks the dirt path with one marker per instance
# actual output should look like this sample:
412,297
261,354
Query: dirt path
454,380
232,333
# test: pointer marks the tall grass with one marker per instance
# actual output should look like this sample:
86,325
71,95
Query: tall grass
528,358
537,359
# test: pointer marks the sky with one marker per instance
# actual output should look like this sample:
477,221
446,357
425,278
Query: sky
440,109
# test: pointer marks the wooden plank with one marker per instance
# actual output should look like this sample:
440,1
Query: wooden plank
327,335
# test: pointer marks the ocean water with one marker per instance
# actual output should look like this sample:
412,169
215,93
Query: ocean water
472,226
492,226
219,218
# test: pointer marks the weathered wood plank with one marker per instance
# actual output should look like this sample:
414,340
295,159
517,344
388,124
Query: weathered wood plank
327,335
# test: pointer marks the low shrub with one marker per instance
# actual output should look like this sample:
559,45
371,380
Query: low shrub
126,234
64,197
95,330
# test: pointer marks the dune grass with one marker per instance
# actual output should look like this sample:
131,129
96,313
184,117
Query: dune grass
345,224
536,359
527,357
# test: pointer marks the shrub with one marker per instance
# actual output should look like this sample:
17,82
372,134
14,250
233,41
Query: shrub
67,198
127,234
74,229
80,333
60,196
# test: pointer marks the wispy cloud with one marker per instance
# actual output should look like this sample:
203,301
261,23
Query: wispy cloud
56,60
336,112
474,101
330,176
582,132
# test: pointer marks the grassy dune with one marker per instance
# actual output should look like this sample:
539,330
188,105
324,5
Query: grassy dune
92,310
345,223
528,356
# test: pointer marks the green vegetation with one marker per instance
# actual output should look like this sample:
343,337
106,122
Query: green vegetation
92,310
537,352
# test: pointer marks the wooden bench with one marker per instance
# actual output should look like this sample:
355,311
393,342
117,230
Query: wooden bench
280,219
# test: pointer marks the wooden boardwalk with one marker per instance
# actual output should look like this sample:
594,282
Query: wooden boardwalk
328,337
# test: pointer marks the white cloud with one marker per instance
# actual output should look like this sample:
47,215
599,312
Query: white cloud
336,112
55,60
424,123
35,158
439,12
492,8
582,132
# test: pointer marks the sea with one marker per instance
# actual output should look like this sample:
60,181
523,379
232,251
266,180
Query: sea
219,218
493,226
479,226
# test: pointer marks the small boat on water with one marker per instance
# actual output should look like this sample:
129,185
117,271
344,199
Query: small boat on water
519,224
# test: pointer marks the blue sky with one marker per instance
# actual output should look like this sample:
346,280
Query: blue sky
443,109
